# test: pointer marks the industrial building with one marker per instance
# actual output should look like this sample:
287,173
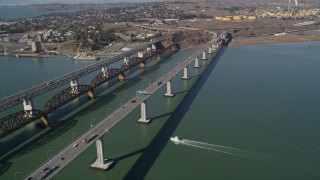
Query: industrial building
36,46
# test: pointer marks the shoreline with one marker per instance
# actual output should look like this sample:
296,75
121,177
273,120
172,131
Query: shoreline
272,39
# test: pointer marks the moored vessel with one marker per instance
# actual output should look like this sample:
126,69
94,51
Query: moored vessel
84,56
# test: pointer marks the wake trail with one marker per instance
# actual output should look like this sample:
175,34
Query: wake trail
226,150
245,153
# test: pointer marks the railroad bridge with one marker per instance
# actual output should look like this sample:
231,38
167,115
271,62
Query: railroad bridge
133,58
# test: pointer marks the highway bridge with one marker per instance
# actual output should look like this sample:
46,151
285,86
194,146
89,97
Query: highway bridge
52,166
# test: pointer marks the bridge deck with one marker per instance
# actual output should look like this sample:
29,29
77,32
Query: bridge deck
70,152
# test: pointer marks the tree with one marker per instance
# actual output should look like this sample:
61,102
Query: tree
177,37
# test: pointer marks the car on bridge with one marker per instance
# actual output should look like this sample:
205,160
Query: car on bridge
91,138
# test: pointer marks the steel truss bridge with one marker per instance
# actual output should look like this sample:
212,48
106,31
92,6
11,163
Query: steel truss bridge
13,122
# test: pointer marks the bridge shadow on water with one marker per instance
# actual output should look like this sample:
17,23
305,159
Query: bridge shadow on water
40,140
160,116
151,153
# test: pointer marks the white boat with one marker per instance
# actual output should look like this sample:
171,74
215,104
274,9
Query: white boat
84,56
176,139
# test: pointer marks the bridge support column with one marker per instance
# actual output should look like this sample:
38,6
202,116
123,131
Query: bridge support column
91,94
149,50
100,162
213,47
126,60
209,50
142,65
204,56
74,85
44,120
121,76
105,71
140,54
27,106
143,118
185,73
169,94
153,47
196,63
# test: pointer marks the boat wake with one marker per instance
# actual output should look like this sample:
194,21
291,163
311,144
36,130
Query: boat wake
226,149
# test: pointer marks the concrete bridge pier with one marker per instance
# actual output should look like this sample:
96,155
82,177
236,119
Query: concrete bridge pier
27,106
185,73
213,47
104,71
142,64
209,50
143,118
204,56
153,47
100,162
126,60
44,120
196,63
121,76
158,56
140,54
74,86
91,94
149,50
169,94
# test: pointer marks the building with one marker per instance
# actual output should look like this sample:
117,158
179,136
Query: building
36,46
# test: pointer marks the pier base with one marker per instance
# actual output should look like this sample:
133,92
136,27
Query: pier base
100,162
146,121
196,63
107,163
168,93
121,77
185,73
44,120
142,65
204,56
90,94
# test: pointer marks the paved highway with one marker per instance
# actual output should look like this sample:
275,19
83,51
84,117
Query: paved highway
60,160
42,88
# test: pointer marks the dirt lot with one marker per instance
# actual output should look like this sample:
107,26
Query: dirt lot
273,39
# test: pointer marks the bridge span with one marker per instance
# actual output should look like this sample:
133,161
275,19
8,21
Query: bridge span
96,133
15,121
44,87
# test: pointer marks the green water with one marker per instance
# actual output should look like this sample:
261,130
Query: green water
252,114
